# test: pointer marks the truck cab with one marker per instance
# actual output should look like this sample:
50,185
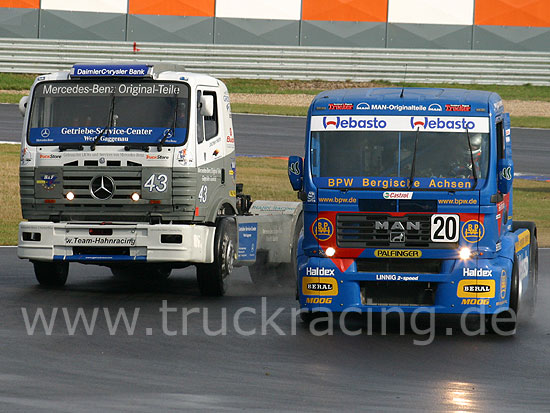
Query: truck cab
131,166
407,198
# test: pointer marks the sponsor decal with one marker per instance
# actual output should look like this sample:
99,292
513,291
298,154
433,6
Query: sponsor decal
476,272
340,106
396,183
455,201
476,289
26,156
230,139
524,239
475,301
157,157
503,284
362,106
319,272
114,135
319,286
523,267
398,195
398,253
397,108
181,156
50,156
129,241
337,122
395,277
216,152
48,181
401,123
436,107
473,231
311,196
322,229
294,168
450,107
319,300
248,239
447,124
233,193
110,70
338,200
506,173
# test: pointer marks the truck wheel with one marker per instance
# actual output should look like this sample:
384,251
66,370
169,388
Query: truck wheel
51,274
213,278
507,321
531,300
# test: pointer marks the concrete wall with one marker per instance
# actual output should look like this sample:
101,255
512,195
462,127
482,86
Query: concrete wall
432,24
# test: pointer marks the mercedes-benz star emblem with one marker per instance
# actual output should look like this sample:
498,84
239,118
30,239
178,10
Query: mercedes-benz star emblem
102,187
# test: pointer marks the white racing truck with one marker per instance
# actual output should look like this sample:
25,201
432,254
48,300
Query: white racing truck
132,166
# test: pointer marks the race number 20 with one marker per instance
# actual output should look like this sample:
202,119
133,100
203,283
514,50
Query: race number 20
444,228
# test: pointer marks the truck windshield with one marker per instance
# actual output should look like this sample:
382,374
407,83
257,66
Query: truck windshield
136,112
389,154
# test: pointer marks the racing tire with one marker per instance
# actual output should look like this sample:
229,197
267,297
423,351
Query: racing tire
213,278
51,274
531,299
506,321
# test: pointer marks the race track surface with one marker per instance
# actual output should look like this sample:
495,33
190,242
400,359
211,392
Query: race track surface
72,370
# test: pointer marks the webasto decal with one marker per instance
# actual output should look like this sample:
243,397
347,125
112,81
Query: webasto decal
401,123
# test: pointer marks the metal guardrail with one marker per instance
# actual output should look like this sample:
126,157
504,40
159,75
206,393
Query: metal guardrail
289,62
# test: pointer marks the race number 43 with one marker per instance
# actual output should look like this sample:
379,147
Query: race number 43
444,228
156,183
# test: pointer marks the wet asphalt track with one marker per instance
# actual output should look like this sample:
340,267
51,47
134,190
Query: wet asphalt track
152,370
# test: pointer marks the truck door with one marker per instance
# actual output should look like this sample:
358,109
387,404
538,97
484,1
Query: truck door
209,153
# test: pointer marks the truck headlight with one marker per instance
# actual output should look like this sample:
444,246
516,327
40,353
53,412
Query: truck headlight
330,252
465,253
135,197
69,195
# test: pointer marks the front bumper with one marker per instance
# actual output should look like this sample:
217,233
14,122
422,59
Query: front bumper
461,285
104,243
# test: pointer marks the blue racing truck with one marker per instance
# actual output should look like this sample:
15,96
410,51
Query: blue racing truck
407,198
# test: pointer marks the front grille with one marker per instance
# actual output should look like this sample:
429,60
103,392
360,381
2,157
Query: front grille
402,293
127,181
399,265
384,230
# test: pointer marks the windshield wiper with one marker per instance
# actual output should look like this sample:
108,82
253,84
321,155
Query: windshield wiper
66,146
172,131
413,164
107,127
474,172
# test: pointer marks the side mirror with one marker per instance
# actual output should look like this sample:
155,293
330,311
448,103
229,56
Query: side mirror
505,175
23,105
207,105
296,172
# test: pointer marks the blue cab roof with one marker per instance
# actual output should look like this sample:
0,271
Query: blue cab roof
407,101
